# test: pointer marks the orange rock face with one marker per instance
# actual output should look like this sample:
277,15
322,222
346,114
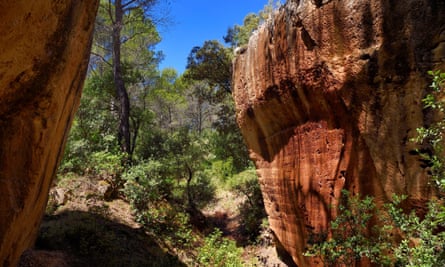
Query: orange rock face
328,96
44,51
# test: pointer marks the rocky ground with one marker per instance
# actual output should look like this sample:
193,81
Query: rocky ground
80,228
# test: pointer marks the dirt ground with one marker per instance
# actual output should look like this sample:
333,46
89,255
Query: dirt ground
79,203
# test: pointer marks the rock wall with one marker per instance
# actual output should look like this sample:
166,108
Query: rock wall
44,51
328,95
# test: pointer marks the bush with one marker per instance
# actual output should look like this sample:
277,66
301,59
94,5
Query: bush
145,184
432,137
352,238
422,240
252,210
150,192
222,170
218,251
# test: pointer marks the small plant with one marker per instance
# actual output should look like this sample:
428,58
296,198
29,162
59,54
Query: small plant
218,251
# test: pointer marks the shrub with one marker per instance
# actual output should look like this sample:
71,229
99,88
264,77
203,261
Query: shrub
431,137
222,170
252,210
422,240
145,184
150,191
218,251
352,238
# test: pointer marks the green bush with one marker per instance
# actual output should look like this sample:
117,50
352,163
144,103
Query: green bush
422,240
252,211
222,170
218,251
352,238
432,137
150,191
145,184
107,164
201,190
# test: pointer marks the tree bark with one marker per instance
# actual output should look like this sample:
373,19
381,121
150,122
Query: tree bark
121,91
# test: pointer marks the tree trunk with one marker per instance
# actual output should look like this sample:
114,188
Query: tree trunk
191,203
121,92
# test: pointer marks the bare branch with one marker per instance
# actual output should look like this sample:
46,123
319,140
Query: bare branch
102,58
102,47
110,12
128,4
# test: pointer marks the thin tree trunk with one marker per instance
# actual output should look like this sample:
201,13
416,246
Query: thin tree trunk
191,203
121,92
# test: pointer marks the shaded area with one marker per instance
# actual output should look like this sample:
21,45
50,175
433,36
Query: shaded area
89,239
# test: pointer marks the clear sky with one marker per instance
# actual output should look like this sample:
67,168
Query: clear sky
195,21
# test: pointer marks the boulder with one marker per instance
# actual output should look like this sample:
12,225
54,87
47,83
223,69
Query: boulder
44,51
328,95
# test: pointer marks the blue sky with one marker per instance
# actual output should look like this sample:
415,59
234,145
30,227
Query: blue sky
195,21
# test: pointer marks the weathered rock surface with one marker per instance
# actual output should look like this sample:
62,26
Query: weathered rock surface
44,50
328,95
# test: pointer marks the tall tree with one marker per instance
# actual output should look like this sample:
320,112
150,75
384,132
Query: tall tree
211,62
128,23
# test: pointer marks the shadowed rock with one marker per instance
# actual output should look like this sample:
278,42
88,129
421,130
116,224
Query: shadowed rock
328,95
44,50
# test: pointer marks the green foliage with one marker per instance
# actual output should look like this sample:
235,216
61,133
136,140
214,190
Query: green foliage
352,238
218,251
252,210
92,130
227,142
222,170
238,35
422,240
106,164
182,129
431,137
150,190
146,184
211,62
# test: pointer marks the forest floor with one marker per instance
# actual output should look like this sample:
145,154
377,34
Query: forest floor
80,228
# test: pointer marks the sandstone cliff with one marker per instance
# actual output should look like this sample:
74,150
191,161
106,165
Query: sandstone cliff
44,50
328,95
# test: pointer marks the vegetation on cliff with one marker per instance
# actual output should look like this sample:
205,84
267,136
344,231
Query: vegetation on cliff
420,232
